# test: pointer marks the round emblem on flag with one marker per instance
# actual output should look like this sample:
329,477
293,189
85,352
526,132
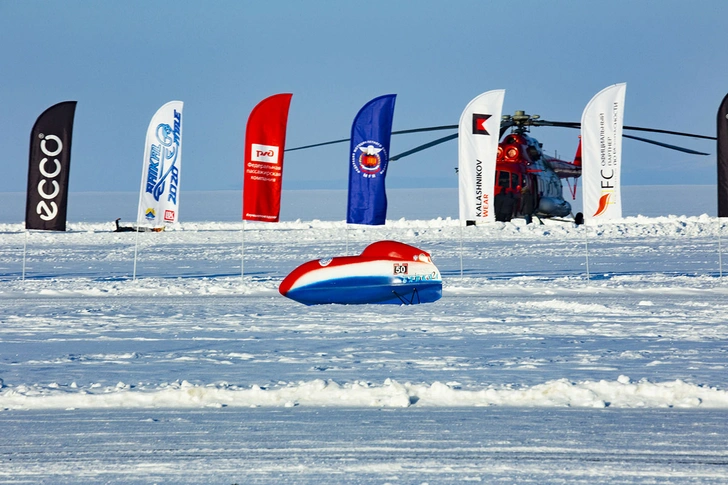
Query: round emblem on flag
367,157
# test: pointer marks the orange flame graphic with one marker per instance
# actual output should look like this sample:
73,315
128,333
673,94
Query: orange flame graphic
603,203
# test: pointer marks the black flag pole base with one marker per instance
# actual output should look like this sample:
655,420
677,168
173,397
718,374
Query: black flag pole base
408,300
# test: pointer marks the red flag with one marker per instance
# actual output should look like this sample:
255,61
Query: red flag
265,140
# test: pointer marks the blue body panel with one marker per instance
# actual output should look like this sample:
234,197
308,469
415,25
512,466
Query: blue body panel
368,289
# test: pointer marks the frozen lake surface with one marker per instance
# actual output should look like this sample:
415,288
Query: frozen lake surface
526,371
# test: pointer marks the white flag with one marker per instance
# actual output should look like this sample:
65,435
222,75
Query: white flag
478,136
601,145
159,194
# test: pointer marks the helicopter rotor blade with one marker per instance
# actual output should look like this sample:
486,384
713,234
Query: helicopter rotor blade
428,128
398,132
571,124
505,124
574,124
665,145
559,124
424,147
317,145
667,132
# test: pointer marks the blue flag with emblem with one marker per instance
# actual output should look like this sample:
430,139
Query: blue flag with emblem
368,160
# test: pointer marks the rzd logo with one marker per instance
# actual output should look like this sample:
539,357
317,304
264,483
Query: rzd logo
263,153
47,209
169,215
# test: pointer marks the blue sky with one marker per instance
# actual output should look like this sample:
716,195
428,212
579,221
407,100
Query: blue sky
122,60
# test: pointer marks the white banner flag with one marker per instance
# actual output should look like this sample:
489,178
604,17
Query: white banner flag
478,136
159,194
601,145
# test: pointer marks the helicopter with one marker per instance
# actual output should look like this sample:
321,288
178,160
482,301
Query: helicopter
521,162
522,165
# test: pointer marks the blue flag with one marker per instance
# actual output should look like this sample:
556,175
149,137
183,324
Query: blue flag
368,160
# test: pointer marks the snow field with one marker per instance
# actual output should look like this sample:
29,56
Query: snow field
522,326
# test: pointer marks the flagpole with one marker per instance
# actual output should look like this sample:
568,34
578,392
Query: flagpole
242,251
138,223
461,249
136,251
586,244
25,248
720,251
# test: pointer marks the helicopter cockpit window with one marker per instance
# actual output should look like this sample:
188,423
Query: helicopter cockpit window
533,153
504,179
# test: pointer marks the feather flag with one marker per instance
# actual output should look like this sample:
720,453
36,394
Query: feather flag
601,154
159,193
48,168
478,136
368,162
723,158
265,140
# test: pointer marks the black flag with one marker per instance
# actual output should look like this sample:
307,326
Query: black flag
723,158
50,161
